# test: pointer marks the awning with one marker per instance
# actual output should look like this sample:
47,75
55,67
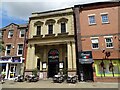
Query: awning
86,61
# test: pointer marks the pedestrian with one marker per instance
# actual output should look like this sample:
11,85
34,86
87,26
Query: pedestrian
2,77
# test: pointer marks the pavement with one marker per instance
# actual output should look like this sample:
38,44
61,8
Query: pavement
50,84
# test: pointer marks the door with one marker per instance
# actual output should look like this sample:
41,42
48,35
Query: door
87,72
52,69
12,71
53,62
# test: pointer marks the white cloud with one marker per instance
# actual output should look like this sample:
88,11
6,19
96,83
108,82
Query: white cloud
23,8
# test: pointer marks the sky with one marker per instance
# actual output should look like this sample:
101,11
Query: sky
19,11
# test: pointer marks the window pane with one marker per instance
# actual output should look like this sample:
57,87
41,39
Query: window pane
38,30
8,48
10,34
50,29
91,19
109,42
63,27
105,18
22,33
20,49
94,43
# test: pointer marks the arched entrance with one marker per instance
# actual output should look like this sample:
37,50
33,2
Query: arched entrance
53,62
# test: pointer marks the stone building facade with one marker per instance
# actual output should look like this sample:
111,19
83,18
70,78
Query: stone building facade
51,43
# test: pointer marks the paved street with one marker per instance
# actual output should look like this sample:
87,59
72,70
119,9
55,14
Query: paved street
50,84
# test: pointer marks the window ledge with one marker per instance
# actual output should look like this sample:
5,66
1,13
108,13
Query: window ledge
62,34
95,48
49,35
92,24
40,36
109,47
19,54
105,23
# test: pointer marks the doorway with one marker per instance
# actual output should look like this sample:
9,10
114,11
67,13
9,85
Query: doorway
87,72
12,71
53,62
52,69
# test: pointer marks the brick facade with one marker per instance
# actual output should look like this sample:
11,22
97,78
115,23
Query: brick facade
100,31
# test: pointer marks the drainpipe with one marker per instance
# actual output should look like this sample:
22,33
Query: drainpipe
78,44
24,49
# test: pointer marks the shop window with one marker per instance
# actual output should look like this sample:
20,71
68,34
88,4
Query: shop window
22,33
38,30
116,69
63,27
104,18
102,68
50,29
10,34
109,42
105,69
95,43
20,49
91,19
8,49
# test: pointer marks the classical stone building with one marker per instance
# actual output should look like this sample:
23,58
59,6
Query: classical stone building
98,31
13,56
51,43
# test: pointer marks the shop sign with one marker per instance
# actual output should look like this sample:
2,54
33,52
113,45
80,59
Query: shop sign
16,59
53,55
5,59
85,57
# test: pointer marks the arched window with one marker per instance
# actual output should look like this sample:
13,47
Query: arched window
38,25
62,22
50,23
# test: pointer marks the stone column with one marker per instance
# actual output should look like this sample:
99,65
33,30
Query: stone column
74,56
69,55
71,58
45,54
30,57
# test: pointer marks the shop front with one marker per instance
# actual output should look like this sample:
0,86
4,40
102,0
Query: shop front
85,66
11,66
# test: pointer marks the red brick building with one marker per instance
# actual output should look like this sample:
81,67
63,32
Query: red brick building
98,31
12,58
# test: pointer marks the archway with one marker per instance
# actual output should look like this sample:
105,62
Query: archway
53,62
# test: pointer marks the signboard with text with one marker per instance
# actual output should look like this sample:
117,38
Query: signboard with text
85,57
